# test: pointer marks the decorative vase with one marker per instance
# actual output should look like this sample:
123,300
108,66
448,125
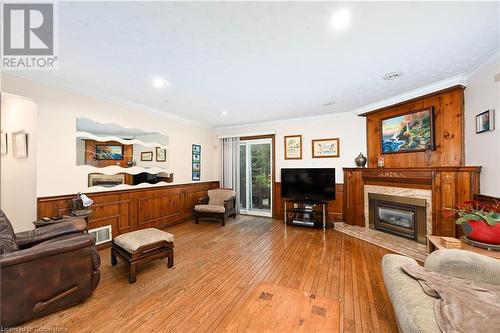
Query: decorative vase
482,232
360,160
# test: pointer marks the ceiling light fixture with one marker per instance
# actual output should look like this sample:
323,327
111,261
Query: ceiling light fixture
158,82
224,113
341,19
392,75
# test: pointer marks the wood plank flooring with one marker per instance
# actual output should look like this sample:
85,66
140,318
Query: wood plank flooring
217,268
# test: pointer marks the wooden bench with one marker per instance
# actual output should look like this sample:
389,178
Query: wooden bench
142,246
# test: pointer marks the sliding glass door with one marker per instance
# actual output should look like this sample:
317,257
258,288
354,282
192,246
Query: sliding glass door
256,177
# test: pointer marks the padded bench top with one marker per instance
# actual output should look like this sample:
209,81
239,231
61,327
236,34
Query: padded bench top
132,241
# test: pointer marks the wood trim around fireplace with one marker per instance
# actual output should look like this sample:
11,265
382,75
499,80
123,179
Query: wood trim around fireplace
449,186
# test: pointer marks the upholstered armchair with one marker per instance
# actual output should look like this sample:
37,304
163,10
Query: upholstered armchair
45,270
220,203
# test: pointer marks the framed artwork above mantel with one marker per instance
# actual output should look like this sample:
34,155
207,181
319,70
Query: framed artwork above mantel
408,132
448,127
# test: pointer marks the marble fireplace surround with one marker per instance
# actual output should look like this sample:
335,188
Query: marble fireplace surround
402,192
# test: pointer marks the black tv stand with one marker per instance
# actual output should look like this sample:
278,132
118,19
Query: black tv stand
305,213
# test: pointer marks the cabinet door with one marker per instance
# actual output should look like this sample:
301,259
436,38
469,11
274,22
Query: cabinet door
353,198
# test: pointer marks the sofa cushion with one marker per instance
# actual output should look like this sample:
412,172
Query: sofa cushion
132,241
218,196
210,208
414,309
7,236
464,265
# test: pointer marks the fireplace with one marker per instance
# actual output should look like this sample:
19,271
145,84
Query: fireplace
400,216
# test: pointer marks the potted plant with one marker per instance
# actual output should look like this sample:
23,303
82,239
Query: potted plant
479,221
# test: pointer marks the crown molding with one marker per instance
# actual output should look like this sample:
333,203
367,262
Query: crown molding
484,66
280,121
457,80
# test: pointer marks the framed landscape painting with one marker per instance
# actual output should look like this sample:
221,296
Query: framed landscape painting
408,133
109,152
322,148
147,156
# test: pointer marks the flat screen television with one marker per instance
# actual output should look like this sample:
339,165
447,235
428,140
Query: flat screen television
314,184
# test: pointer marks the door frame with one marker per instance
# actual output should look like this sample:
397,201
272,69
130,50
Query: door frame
273,165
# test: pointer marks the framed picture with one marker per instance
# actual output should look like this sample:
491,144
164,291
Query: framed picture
323,148
147,156
20,144
196,163
161,154
109,152
293,147
3,143
407,133
485,121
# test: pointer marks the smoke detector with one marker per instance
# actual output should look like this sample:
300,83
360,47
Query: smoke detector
393,75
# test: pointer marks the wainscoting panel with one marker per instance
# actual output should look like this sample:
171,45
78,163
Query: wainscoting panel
128,210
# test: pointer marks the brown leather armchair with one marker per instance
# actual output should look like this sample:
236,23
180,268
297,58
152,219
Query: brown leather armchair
45,270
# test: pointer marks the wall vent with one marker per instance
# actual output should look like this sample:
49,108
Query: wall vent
101,234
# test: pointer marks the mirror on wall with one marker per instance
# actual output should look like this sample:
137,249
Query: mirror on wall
101,145
99,179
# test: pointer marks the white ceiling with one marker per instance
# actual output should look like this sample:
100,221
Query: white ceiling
265,61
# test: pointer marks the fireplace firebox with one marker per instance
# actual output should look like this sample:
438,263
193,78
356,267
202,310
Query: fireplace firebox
400,216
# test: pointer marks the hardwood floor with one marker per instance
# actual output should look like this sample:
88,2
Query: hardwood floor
216,269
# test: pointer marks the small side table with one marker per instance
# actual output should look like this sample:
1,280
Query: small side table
434,243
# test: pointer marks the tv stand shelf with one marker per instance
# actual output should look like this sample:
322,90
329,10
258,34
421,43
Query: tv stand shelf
305,213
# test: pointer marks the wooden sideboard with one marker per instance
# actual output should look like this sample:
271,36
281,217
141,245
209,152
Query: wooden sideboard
449,186
128,210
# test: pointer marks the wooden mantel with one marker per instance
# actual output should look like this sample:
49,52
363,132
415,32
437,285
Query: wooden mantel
449,185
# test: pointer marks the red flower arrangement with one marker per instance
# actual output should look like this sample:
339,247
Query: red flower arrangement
480,221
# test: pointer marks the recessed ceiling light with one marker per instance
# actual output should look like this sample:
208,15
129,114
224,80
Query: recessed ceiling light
223,113
341,19
392,76
158,82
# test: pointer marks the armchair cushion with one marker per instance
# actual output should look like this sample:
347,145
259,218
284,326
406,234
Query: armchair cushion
7,236
210,208
219,196
31,237
50,248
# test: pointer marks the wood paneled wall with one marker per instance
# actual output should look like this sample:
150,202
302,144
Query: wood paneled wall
448,131
335,207
128,210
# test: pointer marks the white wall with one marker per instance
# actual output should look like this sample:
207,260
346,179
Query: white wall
58,109
483,149
348,127
18,176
